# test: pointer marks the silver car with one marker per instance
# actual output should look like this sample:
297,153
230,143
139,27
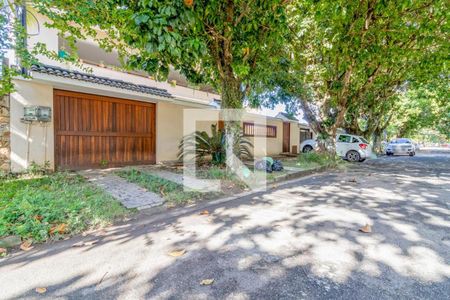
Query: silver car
401,146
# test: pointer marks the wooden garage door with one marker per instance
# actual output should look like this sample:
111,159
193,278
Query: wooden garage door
93,131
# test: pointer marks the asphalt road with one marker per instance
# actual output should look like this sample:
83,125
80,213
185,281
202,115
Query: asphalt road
299,241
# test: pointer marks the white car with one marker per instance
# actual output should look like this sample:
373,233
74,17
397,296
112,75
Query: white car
308,145
401,146
349,147
352,147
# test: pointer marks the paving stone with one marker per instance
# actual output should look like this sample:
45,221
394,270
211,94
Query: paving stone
129,194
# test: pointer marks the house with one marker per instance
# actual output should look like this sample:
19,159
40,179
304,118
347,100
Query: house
95,114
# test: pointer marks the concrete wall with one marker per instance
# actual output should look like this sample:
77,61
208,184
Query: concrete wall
169,129
29,93
295,136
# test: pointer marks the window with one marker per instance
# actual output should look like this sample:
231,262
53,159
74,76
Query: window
344,138
355,140
251,129
305,134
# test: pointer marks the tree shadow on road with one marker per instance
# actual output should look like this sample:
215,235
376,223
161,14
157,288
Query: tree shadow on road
299,241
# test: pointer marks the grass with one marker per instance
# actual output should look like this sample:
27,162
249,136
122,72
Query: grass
172,192
311,160
52,206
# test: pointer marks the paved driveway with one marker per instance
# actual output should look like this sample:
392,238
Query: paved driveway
296,241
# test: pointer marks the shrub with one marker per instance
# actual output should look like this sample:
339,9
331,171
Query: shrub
201,145
34,207
311,159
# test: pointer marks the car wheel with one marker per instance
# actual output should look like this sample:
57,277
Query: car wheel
353,156
307,148
412,153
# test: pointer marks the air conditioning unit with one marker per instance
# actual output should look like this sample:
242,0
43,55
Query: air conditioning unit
36,114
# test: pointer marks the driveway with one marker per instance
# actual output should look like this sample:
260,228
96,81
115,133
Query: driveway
297,241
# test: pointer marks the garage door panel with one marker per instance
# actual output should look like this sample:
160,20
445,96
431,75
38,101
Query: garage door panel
92,130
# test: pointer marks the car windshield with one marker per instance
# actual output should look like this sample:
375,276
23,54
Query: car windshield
363,140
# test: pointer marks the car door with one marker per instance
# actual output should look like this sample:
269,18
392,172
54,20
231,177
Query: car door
342,144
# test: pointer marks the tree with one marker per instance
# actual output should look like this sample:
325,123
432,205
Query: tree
422,106
212,42
347,60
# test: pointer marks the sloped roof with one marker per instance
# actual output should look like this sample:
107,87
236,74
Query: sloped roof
57,71
286,116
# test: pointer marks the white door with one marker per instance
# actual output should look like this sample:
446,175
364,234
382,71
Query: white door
342,144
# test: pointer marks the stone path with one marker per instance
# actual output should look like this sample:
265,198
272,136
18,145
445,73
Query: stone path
129,194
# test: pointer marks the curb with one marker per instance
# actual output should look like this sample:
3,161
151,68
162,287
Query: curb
157,214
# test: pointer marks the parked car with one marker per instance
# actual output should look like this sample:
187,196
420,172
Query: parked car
349,147
401,146
308,145
352,147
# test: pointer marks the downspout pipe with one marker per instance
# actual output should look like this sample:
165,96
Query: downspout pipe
21,11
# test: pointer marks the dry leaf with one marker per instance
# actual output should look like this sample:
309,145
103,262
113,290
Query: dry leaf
204,213
177,253
366,229
41,290
188,3
60,228
38,217
352,180
3,250
26,246
207,281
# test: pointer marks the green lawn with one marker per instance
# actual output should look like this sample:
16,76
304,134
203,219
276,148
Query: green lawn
52,206
172,192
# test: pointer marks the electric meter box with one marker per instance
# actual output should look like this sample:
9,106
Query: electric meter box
37,113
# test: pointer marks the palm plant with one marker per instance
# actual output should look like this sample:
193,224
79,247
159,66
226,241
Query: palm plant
201,145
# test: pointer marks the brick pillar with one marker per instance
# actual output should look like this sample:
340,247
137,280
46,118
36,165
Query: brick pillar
5,151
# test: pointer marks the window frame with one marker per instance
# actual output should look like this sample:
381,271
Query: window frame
267,135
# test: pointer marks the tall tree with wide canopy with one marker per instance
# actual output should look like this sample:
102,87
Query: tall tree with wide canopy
219,42
354,55
213,42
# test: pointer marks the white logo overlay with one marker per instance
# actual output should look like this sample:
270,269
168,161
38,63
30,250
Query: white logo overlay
231,139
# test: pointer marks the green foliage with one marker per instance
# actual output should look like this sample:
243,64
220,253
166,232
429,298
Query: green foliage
213,42
37,169
200,145
347,60
423,106
31,207
315,159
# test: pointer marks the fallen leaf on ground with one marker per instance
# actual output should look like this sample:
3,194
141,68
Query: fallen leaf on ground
352,180
26,246
207,281
3,250
204,213
60,228
41,290
38,217
366,228
177,253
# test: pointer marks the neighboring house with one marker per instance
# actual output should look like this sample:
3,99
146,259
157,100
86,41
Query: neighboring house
109,117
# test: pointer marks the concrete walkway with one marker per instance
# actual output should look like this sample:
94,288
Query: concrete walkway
129,194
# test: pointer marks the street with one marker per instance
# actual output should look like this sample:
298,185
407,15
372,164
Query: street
300,240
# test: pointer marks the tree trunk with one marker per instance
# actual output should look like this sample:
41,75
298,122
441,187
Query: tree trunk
232,98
